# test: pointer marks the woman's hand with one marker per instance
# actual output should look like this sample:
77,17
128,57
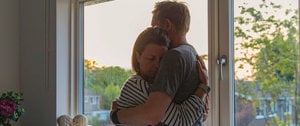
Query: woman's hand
202,71
113,108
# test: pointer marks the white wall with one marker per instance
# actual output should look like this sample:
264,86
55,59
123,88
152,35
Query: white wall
9,45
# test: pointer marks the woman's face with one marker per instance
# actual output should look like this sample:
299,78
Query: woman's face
149,60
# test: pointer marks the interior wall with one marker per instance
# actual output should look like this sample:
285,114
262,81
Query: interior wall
28,57
9,45
37,61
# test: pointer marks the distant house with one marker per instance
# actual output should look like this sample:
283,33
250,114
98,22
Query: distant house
91,101
266,109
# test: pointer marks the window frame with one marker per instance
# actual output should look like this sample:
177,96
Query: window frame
220,39
229,82
218,114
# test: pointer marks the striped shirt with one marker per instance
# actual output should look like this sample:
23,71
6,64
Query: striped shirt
135,92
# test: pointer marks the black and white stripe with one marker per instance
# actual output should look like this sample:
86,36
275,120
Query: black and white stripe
135,92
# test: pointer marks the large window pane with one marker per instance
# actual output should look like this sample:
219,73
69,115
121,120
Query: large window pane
266,45
110,29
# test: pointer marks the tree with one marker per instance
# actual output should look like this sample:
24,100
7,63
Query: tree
269,44
105,81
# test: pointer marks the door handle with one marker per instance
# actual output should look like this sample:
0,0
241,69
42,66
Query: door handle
222,61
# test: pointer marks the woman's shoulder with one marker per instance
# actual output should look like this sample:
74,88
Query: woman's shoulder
136,80
136,84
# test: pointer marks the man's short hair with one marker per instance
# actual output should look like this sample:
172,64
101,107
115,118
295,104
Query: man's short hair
177,12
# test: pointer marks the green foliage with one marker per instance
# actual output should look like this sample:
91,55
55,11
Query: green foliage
275,41
106,81
94,121
111,92
276,120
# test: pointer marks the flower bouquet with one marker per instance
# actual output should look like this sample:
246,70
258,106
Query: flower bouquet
10,108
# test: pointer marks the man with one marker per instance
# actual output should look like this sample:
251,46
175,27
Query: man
177,77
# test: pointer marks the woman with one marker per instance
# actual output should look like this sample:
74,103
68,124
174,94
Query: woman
148,49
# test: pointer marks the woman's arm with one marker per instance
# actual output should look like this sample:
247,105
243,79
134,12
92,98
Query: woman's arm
134,92
185,114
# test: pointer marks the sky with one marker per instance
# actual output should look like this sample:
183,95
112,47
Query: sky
111,28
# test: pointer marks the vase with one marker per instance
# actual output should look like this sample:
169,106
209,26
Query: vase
5,123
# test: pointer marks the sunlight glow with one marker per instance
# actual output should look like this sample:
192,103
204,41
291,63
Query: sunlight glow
111,28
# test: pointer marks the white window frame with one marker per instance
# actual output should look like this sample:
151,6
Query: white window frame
69,25
223,88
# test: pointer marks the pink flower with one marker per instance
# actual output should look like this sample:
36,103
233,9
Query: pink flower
7,107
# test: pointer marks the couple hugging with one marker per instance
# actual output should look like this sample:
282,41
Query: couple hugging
170,86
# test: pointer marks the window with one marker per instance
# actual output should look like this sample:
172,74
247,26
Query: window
266,60
110,29
86,99
259,40
265,109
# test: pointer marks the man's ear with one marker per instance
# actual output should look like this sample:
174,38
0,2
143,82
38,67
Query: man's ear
168,25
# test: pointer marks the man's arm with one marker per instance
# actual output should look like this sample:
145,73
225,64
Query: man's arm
150,113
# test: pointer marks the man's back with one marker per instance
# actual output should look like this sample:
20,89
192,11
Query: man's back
177,74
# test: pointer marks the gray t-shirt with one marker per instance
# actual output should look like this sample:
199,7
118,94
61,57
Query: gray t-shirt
177,74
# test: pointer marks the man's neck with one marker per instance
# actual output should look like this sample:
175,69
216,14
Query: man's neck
178,40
